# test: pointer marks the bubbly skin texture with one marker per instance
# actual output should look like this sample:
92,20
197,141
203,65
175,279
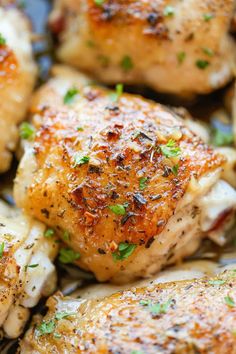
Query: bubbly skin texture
177,47
121,140
26,269
176,317
17,78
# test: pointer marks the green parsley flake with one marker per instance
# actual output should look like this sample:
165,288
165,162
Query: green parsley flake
181,56
2,245
229,301
169,11
202,64
27,131
46,327
158,308
57,335
124,251
136,352
80,129
80,160
170,149
208,51
67,255
208,17
60,315
143,183
114,96
99,2
49,233
2,40
70,95
118,209
175,169
216,282
127,63
222,138
66,236
32,265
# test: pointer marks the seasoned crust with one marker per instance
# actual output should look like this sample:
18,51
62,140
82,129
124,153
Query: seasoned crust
131,321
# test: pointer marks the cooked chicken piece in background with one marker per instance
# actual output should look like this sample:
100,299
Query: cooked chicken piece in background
188,270
26,268
178,47
17,78
176,317
126,184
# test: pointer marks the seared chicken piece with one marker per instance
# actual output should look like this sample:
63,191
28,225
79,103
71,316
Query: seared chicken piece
179,47
126,184
177,317
26,269
17,78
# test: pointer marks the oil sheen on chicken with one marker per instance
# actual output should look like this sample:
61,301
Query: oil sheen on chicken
176,317
127,183
26,268
180,47
17,78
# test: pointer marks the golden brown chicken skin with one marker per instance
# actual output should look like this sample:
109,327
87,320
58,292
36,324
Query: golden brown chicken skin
176,317
17,78
120,178
179,47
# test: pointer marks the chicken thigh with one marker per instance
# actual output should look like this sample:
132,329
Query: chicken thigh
179,47
123,181
26,269
176,317
17,78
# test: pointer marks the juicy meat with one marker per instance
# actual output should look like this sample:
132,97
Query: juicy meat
180,47
26,269
17,78
121,177
176,317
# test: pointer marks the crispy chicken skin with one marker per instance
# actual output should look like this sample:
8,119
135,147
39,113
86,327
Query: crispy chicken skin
26,269
176,317
83,173
17,78
179,47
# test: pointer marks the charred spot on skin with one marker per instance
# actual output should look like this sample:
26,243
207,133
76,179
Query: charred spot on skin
126,217
94,169
114,195
45,212
149,242
167,171
101,251
153,18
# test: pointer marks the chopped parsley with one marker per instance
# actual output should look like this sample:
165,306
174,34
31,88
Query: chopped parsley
158,308
66,235
46,327
208,17
2,245
2,40
80,160
49,233
222,137
181,56
31,266
124,251
67,255
127,63
27,131
229,301
114,96
202,64
60,315
208,51
99,2
136,352
169,11
170,149
57,335
80,129
143,183
70,95
216,282
175,169
118,209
